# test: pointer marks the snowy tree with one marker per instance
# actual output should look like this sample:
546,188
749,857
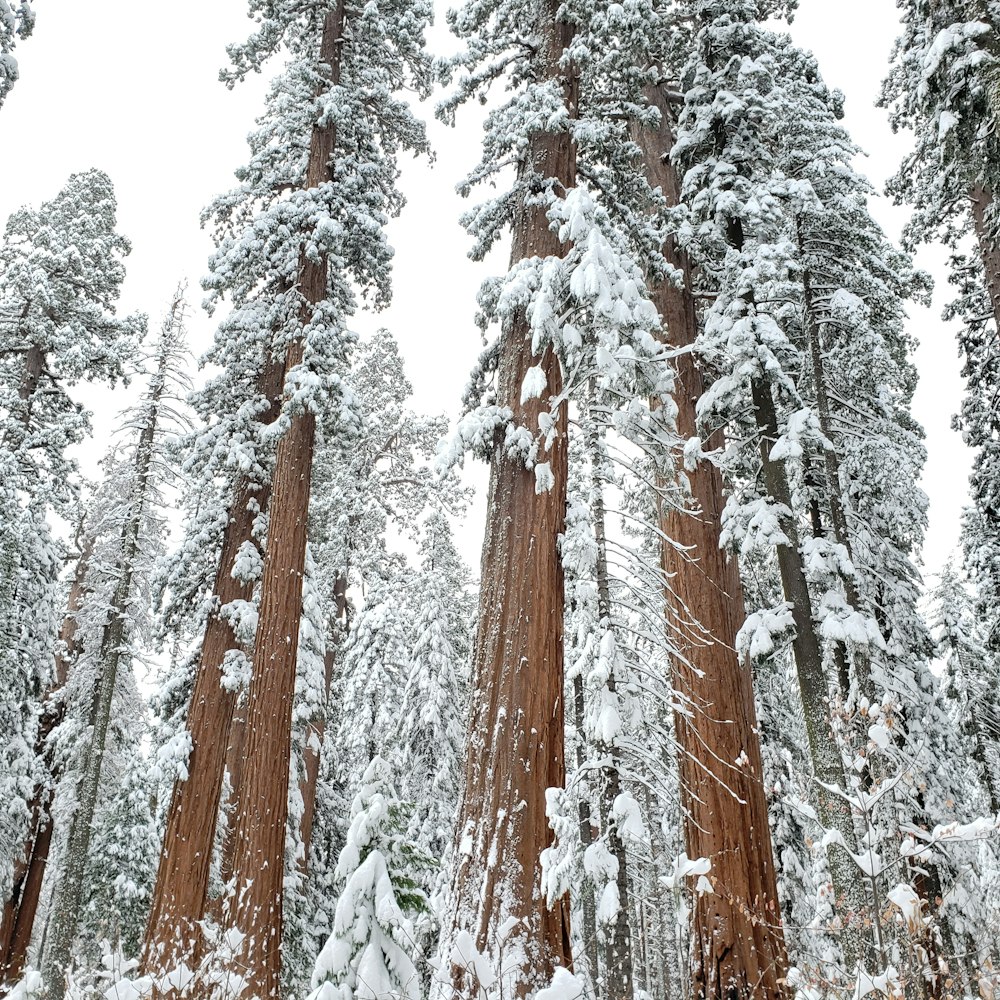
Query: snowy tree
572,308
127,532
123,852
740,201
370,953
311,209
15,23
436,686
60,275
970,679
945,87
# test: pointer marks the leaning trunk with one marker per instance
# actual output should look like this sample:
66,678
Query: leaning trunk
738,940
180,895
828,767
516,738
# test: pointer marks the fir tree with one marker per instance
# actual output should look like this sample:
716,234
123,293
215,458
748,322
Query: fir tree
60,275
369,954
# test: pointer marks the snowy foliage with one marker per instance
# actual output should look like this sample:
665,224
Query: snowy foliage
60,276
16,22
370,953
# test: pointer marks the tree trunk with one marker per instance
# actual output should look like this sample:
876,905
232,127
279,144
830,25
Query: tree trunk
618,960
828,767
259,835
981,200
587,903
926,880
738,939
68,896
317,728
20,910
516,738
180,895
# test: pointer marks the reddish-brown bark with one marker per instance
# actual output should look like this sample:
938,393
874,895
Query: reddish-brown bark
259,833
181,891
29,870
515,742
739,947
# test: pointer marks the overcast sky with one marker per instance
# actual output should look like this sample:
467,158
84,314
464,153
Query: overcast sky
133,88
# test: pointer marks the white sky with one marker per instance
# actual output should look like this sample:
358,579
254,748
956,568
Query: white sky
133,90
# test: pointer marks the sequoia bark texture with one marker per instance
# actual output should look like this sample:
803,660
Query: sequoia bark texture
516,738
259,834
180,896
738,940
29,871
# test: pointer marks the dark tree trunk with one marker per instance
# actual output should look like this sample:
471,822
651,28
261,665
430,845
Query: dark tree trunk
827,764
587,903
619,971
69,891
738,939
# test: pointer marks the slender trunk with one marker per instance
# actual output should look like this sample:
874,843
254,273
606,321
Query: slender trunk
828,767
259,833
516,738
618,960
21,908
660,931
982,199
68,897
838,514
180,895
738,939
587,904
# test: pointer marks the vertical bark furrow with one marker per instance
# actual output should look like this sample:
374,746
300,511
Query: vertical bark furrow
738,939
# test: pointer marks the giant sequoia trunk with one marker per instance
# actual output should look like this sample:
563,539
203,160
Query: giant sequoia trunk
255,908
180,895
516,738
738,940
29,871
